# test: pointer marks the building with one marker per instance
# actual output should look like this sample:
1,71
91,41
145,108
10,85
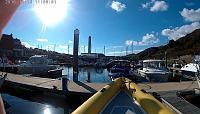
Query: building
91,59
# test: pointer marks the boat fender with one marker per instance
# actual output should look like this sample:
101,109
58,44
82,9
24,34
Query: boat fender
157,96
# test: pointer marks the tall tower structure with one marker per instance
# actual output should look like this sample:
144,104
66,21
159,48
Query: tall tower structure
75,54
89,44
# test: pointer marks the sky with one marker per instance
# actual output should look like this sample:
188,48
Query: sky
122,26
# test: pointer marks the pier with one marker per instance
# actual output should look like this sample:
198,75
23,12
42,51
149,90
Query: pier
54,84
84,87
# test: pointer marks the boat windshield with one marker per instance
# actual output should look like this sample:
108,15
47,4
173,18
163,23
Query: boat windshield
154,65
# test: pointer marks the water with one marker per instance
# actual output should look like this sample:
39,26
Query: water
88,74
21,106
30,104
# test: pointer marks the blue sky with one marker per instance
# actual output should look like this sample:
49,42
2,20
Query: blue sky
115,24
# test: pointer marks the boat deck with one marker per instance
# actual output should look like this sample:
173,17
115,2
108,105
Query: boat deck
122,103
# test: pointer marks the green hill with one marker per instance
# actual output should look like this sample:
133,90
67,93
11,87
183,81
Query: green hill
187,45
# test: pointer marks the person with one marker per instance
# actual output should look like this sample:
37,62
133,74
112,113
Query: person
7,10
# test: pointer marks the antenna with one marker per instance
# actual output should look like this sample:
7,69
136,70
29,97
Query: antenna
68,49
132,47
104,50
126,50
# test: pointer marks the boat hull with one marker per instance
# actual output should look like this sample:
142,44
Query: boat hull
35,69
156,76
104,98
188,74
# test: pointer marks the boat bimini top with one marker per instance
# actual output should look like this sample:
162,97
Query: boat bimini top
122,96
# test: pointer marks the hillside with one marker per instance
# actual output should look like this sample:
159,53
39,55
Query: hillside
187,45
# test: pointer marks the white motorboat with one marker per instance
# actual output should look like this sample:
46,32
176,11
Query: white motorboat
154,71
191,69
37,64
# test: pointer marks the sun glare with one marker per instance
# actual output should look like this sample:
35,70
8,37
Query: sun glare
51,13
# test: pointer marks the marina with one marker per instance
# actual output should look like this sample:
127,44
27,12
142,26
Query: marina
99,57
49,87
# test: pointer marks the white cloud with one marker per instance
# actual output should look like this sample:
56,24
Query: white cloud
117,6
117,46
63,46
159,6
179,32
191,15
70,41
42,40
146,5
121,53
155,5
26,44
150,39
81,49
147,39
131,42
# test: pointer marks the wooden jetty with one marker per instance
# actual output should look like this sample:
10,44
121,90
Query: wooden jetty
168,86
55,84
85,87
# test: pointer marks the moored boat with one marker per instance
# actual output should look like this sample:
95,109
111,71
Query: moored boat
190,70
119,71
120,97
155,71
37,64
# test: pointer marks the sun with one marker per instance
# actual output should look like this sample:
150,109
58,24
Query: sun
51,13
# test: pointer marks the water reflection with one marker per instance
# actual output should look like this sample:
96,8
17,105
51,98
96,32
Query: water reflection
88,74
21,106
47,110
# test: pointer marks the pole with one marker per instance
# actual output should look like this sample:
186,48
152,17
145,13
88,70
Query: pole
68,50
166,59
132,47
126,50
104,50
75,54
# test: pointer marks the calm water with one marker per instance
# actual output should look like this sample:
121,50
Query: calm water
21,106
88,74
